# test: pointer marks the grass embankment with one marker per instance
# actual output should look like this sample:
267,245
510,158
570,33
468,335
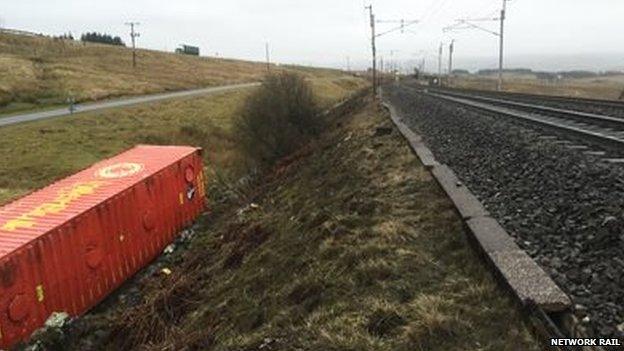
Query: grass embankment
608,88
39,72
35,154
348,245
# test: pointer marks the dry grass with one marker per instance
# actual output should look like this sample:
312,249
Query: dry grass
352,246
596,88
39,72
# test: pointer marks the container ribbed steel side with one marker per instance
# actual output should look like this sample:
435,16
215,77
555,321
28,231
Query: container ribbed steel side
64,248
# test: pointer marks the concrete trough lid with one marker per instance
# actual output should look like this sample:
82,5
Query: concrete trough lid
526,279
490,235
425,155
466,203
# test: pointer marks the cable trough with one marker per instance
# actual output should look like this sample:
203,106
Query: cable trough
605,131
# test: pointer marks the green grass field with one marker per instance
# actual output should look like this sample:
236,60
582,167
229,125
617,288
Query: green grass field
37,153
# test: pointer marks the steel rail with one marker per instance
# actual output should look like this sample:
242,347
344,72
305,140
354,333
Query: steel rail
559,112
551,98
596,137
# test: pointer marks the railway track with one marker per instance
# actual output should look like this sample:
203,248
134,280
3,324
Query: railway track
534,170
601,130
607,107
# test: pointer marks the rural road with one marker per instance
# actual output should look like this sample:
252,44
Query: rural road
21,118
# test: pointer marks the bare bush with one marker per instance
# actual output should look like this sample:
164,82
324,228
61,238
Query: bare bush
278,118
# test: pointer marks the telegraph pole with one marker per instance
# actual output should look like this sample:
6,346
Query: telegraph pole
133,36
268,57
374,49
501,38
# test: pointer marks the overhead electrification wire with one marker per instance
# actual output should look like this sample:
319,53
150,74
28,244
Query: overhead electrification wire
425,16
483,8
446,6
435,11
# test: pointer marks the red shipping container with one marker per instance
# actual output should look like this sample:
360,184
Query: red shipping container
66,247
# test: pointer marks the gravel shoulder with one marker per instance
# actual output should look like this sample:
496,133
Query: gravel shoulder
564,207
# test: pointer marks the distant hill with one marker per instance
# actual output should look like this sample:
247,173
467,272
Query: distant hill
547,62
574,74
577,83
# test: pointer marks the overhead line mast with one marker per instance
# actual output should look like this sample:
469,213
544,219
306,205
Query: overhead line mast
501,43
450,64
374,36
374,49
440,51
469,24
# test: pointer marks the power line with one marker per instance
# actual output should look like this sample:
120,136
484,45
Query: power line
443,8
402,27
436,10
489,7
429,10
462,24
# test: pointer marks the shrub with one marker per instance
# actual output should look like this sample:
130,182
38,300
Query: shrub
278,118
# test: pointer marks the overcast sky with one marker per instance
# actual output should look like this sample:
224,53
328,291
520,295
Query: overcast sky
542,34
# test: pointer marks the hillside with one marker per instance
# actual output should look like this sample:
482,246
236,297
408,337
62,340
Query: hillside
37,71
